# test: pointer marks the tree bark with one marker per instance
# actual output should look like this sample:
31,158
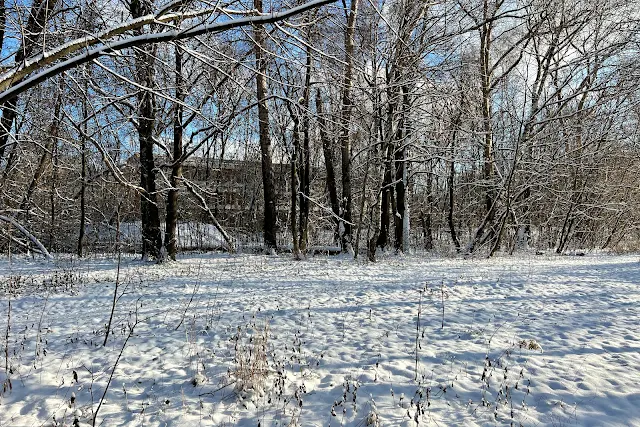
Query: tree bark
387,179
327,151
269,191
345,124
3,21
451,181
305,184
375,213
426,216
294,185
83,177
401,217
488,169
400,198
52,192
145,76
171,221
385,202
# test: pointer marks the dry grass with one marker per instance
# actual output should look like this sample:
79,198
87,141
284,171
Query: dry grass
251,366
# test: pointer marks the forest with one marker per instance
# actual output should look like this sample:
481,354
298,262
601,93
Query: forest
466,127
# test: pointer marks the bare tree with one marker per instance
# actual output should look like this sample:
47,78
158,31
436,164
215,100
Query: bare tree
171,238
344,138
268,186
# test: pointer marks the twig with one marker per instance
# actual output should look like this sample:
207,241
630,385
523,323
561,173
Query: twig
418,332
218,389
124,345
442,300
6,345
195,290
44,307
115,291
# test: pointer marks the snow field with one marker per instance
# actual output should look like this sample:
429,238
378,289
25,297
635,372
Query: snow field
246,339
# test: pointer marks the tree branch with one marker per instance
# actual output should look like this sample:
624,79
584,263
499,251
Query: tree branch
15,81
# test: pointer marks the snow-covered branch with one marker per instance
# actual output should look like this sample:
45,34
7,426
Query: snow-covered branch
36,62
16,80
28,235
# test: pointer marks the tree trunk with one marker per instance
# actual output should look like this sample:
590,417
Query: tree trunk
269,191
40,12
363,199
378,151
6,123
488,168
171,221
145,76
83,178
385,202
401,217
293,215
3,21
387,180
400,194
398,170
34,240
488,160
25,206
327,151
294,182
305,184
52,193
426,216
345,123
451,182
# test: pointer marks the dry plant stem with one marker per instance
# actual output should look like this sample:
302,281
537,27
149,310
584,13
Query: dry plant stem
442,300
90,386
184,313
195,290
418,335
115,365
115,291
218,389
6,341
44,307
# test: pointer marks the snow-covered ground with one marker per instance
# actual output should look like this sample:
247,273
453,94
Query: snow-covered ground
257,340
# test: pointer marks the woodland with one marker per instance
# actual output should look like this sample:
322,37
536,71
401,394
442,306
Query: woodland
463,126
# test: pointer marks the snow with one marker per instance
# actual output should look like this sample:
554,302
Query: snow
247,339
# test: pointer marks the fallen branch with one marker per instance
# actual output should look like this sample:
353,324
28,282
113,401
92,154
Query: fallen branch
203,204
28,235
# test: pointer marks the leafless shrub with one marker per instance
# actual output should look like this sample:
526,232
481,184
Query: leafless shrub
251,366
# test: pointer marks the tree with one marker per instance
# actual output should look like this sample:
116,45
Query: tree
171,238
502,124
268,186
344,140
